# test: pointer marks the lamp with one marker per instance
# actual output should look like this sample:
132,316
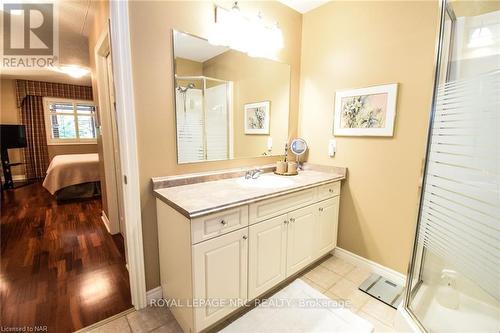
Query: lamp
246,34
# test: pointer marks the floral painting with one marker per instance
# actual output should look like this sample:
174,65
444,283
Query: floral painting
257,118
366,111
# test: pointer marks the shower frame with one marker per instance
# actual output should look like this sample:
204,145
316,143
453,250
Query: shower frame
416,257
229,89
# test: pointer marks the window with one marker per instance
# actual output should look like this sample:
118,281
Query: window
70,121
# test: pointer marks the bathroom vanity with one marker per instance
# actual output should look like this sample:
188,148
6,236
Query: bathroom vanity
231,240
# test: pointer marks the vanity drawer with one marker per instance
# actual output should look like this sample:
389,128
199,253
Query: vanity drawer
328,191
216,224
266,209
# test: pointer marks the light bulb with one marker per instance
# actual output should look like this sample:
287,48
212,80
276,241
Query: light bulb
244,34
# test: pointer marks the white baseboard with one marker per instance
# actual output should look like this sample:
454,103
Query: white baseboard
155,293
371,265
105,220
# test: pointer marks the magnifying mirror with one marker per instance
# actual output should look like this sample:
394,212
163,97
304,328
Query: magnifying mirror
298,147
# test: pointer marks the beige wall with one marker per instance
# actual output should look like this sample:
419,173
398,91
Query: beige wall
150,25
255,80
10,115
352,44
188,67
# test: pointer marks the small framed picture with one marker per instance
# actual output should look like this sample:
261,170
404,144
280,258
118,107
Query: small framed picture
366,112
257,118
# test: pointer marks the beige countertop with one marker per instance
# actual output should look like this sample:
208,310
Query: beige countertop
202,198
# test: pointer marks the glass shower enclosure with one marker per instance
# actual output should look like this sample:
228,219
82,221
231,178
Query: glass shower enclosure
203,117
453,282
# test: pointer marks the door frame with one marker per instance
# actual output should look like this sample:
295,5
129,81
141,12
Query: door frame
116,33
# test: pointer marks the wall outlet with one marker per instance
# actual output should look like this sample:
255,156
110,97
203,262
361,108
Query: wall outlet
332,147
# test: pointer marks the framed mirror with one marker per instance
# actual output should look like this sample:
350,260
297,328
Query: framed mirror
227,104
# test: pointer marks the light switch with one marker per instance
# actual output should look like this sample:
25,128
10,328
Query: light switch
332,147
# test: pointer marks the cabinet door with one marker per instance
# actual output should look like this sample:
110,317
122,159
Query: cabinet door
299,239
266,255
326,222
220,273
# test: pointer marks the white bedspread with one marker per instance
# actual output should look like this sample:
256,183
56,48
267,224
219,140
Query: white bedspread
73,169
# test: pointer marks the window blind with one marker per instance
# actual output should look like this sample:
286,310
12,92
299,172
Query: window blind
460,217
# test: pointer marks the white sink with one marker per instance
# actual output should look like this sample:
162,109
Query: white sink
265,181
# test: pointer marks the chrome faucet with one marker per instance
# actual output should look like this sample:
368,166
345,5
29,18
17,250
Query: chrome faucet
254,173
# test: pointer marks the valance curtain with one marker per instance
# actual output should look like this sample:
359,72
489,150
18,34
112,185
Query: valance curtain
29,96
39,88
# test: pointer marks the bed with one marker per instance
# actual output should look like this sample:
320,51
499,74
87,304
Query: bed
73,176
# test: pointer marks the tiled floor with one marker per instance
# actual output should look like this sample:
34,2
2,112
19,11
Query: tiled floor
339,279
151,319
333,277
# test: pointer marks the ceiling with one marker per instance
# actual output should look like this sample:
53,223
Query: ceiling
75,19
303,6
74,16
44,75
194,48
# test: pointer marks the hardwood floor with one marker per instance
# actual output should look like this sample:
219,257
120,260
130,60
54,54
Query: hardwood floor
60,267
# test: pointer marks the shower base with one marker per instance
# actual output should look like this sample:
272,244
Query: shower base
472,315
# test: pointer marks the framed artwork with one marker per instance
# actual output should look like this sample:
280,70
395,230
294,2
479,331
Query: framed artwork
366,112
257,117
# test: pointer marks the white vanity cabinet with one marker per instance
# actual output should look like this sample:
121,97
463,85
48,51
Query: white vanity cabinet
220,273
239,253
326,225
267,255
301,230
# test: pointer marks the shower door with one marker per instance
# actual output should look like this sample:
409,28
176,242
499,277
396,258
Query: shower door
454,276
217,119
190,118
203,118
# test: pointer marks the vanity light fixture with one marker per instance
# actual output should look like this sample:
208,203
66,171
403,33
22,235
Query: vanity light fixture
246,34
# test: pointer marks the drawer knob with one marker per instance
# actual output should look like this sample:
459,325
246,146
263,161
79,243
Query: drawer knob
223,222
330,190
285,222
245,237
320,209
292,219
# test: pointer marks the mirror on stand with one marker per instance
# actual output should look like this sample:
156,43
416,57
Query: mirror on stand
298,148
